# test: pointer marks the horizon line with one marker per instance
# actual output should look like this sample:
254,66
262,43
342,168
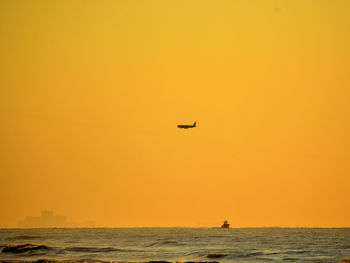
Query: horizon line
198,227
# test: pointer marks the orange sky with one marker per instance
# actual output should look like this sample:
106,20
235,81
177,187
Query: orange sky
91,93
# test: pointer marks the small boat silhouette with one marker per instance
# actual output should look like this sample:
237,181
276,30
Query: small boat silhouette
225,224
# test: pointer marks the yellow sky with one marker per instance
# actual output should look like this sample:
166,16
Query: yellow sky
91,93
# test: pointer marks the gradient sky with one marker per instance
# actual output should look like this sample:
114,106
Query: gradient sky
91,93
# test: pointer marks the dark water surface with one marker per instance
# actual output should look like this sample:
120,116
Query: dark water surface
182,244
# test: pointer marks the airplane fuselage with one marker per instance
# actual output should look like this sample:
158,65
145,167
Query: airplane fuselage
186,126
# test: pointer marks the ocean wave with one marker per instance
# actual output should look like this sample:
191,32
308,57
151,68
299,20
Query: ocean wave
251,254
289,259
23,248
190,261
258,254
169,243
45,260
291,252
25,237
216,255
98,249
345,246
271,253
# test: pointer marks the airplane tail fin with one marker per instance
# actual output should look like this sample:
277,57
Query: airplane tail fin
194,124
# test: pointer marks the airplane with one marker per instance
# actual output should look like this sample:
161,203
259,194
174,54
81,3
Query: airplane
187,126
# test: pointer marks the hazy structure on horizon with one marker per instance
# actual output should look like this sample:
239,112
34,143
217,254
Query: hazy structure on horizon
48,220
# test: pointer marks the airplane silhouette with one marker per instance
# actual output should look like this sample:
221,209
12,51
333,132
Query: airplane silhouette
187,126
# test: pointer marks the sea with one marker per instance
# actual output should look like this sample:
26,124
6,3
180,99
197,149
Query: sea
180,244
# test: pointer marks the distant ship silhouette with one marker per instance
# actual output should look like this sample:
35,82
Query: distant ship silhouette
225,224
